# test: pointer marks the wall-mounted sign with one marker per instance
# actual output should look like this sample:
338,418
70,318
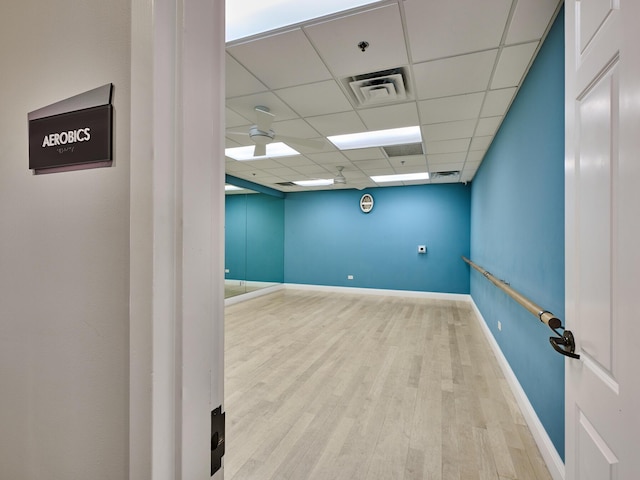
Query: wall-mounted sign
366,202
73,134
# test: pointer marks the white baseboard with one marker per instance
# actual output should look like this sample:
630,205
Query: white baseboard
547,449
378,291
256,293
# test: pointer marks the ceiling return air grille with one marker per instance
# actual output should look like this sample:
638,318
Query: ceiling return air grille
446,174
387,86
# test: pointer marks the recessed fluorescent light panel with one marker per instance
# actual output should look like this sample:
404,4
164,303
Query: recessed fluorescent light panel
274,150
320,182
228,188
250,17
378,138
401,177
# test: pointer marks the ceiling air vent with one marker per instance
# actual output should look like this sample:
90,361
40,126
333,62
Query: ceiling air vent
403,150
387,86
446,174
286,184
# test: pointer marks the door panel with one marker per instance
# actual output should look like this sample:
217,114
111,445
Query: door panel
602,174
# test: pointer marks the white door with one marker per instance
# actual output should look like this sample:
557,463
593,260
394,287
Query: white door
603,238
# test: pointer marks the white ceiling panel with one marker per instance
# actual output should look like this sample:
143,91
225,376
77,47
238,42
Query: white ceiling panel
359,154
480,143
457,157
448,130
328,158
315,98
455,75
246,106
265,59
233,119
488,126
458,107
475,156
379,163
296,161
439,29
311,170
512,65
239,81
448,146
530,20
294,128
408,161
446,167
337,41
392,116
282,172
336,124
497,101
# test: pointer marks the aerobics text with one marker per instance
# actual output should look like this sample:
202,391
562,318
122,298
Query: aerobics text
65,138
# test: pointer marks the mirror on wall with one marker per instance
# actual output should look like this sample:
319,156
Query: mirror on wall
254,240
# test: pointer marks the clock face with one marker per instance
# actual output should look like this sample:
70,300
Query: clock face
366,203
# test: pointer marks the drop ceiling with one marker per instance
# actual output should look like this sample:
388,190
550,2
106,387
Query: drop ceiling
462,63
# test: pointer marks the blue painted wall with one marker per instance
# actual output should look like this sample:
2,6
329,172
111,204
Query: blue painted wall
327,237
517,231
254,237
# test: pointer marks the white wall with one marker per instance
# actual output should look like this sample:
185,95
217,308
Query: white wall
64,252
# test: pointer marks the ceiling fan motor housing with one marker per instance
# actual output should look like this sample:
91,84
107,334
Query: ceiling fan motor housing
261,137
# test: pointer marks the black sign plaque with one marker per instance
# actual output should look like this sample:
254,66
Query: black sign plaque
72,138
72,134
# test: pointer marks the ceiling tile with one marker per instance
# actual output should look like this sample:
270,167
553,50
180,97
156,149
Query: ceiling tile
408,161
488,126
454,76
311,170
337,41
378,163
512,64
448,146
391,116
448,130
457,157
294,128
282,172
265,58
316,98
530,20
480,143
475,156
359,154
380,171
458,107
246,105
239,81
328,158
497,101
335,124
232,119
296,161
446,167
439,29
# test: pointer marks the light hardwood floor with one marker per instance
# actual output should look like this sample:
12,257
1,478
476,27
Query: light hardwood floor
330,386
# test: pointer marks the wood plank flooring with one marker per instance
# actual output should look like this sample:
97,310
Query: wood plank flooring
326,386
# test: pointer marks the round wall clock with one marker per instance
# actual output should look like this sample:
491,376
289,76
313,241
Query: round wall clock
366,203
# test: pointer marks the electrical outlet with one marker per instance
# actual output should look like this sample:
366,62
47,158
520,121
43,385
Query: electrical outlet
499,325
349,277
226,270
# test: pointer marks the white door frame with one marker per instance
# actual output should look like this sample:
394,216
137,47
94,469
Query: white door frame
177,235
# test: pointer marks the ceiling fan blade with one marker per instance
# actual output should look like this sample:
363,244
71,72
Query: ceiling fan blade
237,134
304,142
264,119
260,150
